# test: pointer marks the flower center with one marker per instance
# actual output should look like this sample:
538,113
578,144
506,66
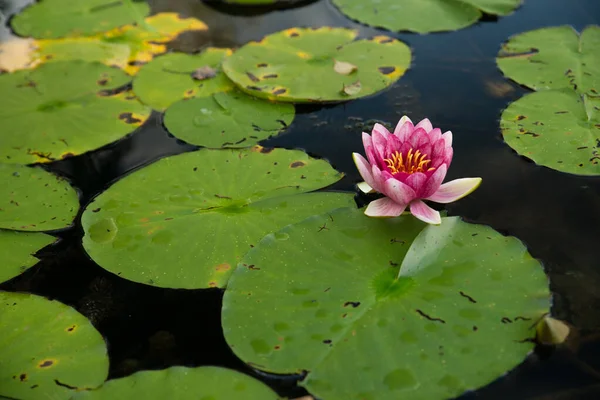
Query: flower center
413,162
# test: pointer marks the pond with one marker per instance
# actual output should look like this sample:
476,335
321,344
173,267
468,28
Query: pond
151,320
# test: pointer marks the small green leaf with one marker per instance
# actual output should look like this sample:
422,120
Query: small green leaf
19,249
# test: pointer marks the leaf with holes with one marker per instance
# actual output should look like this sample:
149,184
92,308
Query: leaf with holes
298,65
47,349
385,308
554,58
170,78
423,15
58,18
62,109
231,119
32,199
210,383
204,209
559,129
19,249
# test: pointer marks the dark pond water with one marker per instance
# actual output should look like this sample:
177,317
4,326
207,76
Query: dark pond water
454,82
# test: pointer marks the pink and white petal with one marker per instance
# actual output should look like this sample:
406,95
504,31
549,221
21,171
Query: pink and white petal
381,129
418,138
365,188
384,208
373,158
425,213
435,134
447,136
379,143
425,124
416,181
448,153
426,149
433,182
393,144
379,178
404,130
398,191
364,169
367,141
455,190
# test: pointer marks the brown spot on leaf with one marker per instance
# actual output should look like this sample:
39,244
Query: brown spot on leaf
254,88
46,363
252,77
386,70
23,377
521,117
262,65
270,76
95,210
297,164
279,91
223,267
266,150
129,118
212,284
102,82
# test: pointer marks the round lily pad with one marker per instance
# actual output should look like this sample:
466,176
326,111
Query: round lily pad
423,15
58,18
231,119
554,58
176,76
317,65
47,349
202,383
185,221
18,249
32,199
62,109
385,308
559,129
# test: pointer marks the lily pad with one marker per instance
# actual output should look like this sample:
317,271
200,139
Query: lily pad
299,65
18,249
58,18
62,109
230,119
559,129
169,78
47,349
185,221
32,199
554,58
210,383
423,15
373,309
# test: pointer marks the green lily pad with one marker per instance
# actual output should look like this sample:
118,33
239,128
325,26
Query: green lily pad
423,15
47,349
559,129
554,58
18,249
60,110
299,65
198,213
230,119
32,199
58,18
369,315
169,78
202,383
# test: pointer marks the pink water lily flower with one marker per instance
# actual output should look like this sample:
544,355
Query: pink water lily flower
409,166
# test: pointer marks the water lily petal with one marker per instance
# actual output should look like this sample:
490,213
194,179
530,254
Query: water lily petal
418,138
435,134
425,124
379,178
381,129
416,181
373,158
364,169
393,144
367,141
379,142
433,182
448,138
404,128
365,188
425,213
399,192
454,190
384,208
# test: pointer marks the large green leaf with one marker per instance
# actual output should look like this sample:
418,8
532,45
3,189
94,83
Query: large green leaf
554,58
59,110
317,65
559,129
181,383
423,15
18,249
47,349
57,18
170,78
185,221
326,296
230,119
32,199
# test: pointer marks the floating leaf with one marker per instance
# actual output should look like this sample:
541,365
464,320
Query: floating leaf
558,129
203,209
60,110
554,58
298,65
344,68
169,78
552,331
18,249
32,199
423,15
230,119
326,296
58,18
47,349
202,383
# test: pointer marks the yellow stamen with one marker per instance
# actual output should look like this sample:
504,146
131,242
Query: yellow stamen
413,162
